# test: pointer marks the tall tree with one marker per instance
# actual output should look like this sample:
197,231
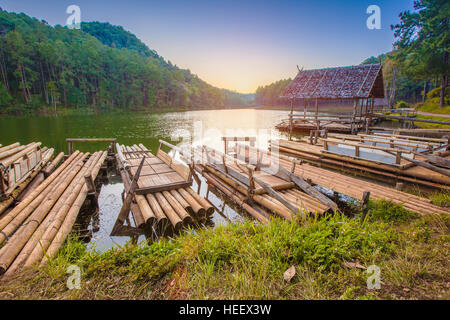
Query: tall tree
423,41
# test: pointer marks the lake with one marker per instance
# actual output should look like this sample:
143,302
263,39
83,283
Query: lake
192,127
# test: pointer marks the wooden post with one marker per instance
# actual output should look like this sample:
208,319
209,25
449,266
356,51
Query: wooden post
90,183
365,204
291,119
70,145
2,183
317,114
356,151
304,108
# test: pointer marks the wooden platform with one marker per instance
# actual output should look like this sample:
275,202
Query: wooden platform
35,227
359,154
164,203
252,185
355,188
159,173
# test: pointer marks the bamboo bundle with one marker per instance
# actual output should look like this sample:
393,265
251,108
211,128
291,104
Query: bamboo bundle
47,229
196,207
40,177
11,150
9,147
161,219
355,188
20,189
170,213
57,215
19,213
203,202
10,160
184,216
71,216
24,232
236,198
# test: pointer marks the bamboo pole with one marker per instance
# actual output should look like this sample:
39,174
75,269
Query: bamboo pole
33,200
187,219
10,160
196,207
169,211
58,213
203,202
161,219
71,217
41,238
7,152
135,210
49,169
19,239
254,213
186,206
9,146
23,186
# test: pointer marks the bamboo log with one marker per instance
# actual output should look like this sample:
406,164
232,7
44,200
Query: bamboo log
71,217
147,213
203,202
48,228
59,211
169,211
187,219
23,186
135,210
49,169
186,206
254,213
19,239
161,219
11,151
9,147
33,200
10,160
279,209
197,208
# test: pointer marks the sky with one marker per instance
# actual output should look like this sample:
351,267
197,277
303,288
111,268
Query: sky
240,44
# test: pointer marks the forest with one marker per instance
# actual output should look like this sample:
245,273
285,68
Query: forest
416,70
100,67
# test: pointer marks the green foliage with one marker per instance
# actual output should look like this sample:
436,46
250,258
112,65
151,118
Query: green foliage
100,66
423,40
389,211
436,93
270,95
441,198
402,104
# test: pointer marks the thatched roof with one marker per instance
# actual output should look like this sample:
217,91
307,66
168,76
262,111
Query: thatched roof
353,82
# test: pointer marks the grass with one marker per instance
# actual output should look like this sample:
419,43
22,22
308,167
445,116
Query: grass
247,261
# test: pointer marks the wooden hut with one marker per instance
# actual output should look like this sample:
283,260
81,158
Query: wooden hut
362,84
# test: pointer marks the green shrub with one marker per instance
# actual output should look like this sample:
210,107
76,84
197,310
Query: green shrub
436,93
402,104
389,211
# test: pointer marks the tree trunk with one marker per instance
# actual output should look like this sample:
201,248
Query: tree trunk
444,81
424,91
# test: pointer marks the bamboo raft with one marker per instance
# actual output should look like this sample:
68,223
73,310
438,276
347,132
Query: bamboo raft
164,202
352,187
382,156
34,229
262,192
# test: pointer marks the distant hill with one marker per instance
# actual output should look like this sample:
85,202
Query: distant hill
100,66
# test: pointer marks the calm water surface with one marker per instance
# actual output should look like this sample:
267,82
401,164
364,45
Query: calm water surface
193,127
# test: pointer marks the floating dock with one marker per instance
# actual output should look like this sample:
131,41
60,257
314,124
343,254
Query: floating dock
35,227
164,202
381,156
262,192
353,187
